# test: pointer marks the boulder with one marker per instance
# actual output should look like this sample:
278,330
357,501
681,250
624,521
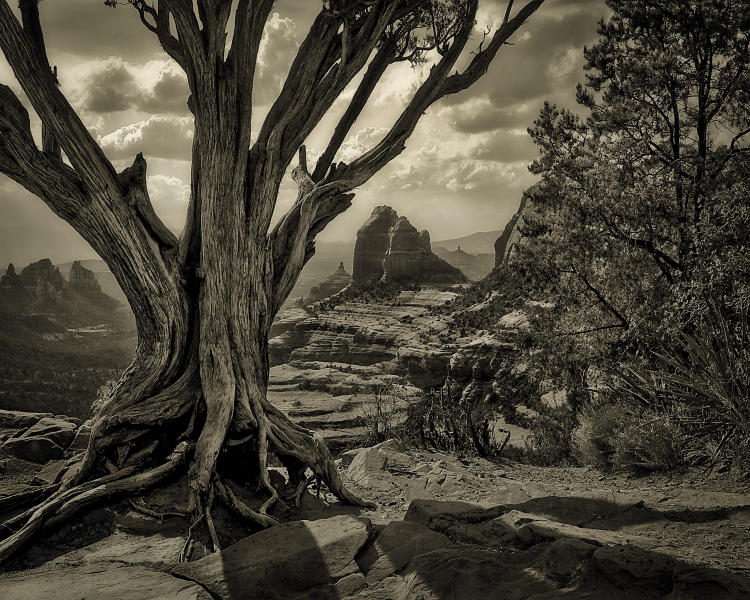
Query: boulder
299,559
16,419
36,449
102,580
395,547
60,431
371,466
439,514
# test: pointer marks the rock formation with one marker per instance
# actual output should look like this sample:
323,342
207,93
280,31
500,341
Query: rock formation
83,279
42,279
373,241
333,284
41,289
390,248
511,235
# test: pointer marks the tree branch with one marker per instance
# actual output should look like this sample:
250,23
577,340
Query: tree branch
481,62
40,86
40,173
133,180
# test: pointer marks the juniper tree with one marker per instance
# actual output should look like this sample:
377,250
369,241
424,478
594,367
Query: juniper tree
204,301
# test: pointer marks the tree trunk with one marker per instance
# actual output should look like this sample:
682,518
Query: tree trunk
197,384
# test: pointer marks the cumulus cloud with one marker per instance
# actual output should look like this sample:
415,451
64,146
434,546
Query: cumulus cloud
158,136
113,85
110,89
168,93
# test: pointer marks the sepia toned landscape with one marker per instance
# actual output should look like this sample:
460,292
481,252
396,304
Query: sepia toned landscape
387,300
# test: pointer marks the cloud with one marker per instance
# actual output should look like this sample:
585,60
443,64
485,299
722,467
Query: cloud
113,85
110,89
159,136
277,51
170,196
167,94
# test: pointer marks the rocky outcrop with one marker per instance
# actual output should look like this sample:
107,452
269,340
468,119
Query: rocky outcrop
333,284
35,437
41,289
390,248
511,235
11,279
373,241
82,279
42,279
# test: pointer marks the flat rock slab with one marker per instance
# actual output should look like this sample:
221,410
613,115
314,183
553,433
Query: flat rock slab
58,430
104,580
287,561
16,419
396,546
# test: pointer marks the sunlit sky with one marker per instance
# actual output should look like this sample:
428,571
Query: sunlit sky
463,171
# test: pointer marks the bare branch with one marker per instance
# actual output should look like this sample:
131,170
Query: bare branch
375,71
40,86
481,62
160,26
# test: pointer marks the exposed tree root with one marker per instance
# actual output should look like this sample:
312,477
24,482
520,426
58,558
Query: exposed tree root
156,514
290,439
241,509
65,503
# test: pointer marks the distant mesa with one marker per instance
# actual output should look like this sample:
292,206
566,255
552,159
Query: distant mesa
331,285
389,248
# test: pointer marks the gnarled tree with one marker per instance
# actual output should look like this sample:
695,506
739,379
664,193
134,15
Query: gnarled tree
204,301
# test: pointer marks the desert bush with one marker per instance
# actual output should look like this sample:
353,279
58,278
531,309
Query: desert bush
593,440
551,439
652,443
443,422
702,377
381,416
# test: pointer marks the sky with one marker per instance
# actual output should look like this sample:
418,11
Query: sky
464,169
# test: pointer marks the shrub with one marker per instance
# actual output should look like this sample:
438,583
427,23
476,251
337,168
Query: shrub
594,438
381,415
550,442
653,443
702,378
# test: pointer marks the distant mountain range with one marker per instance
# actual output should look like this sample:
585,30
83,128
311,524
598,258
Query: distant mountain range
476,260
481,242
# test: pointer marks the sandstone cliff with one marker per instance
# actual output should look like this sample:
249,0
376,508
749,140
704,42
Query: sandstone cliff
390,248
511,235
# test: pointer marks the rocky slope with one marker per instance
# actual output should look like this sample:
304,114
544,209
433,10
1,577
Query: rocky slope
390,248
444,528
